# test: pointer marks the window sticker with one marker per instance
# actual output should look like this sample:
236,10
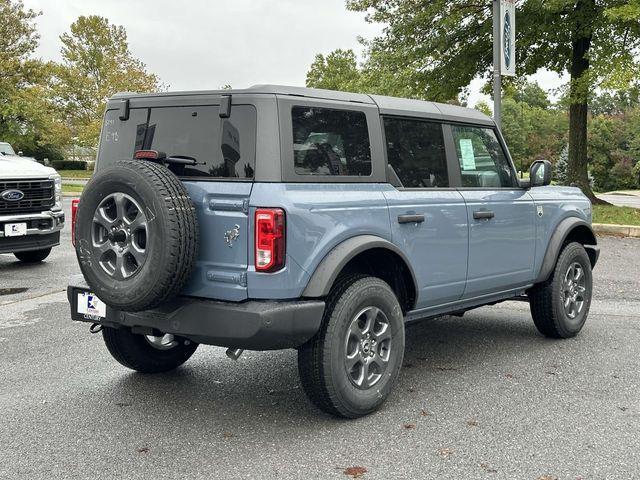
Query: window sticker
468,157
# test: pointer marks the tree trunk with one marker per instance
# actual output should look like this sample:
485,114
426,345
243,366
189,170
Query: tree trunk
577,173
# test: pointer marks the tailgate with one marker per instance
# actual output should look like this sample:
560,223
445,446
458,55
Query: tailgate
221,269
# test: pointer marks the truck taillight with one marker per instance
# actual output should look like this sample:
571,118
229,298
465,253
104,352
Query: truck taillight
74,213
270,239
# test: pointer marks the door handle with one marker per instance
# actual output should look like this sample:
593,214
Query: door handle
483,214
411,218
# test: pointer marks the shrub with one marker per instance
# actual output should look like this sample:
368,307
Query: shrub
622,176
69,165
560,172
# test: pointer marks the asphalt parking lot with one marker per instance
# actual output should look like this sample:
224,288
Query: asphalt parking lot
483,396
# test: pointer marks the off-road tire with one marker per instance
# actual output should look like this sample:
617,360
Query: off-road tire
135,352
171,240
545,299
320,361
33,256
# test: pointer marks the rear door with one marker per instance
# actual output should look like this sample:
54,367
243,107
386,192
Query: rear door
428,217
501,215
219,183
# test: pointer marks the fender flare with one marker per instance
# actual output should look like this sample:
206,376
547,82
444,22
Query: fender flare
562,231
332,264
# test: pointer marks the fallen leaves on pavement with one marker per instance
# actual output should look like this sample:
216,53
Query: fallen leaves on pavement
445,452
355,472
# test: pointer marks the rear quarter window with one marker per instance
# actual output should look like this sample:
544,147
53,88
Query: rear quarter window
330,142
222,148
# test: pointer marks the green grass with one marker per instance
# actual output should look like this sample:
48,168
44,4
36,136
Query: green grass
67,188
616,215
75,173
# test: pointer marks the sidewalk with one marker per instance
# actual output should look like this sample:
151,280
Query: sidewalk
623,198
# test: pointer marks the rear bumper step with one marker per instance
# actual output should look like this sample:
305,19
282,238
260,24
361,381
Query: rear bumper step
252,325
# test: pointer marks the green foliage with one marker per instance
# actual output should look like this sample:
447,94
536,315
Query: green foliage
532,128
614,150
560,170
434,48
97,63
484,107
336,71
69,165
45,107
27,117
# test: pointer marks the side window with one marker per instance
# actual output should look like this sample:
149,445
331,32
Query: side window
330,142
483,162
415,150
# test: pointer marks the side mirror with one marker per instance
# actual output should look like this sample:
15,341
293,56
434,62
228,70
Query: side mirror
20,153
540,173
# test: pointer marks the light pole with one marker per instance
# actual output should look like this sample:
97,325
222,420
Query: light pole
497,79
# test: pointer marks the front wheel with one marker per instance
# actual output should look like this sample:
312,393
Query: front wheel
349,367
146,353
560,305
33,256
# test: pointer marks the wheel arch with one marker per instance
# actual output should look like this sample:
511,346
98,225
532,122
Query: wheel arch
570,229
366,254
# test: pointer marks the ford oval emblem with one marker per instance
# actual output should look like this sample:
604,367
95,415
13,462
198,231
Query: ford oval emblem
12,195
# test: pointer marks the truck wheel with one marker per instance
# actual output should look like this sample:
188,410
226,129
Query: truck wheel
33,256
349,367
136,235
560,305
145,353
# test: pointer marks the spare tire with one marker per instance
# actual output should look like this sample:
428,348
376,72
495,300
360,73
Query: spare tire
136,235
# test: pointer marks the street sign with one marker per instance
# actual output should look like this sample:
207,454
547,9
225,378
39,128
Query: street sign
508,37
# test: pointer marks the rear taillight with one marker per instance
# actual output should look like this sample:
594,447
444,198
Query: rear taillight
270,239
74,212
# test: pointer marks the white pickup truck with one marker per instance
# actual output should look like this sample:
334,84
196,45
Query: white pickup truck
31,215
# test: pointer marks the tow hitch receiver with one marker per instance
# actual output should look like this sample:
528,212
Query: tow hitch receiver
234,353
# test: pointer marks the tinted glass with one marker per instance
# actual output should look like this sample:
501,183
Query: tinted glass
415,150
222,148
330,142
483,162
6,149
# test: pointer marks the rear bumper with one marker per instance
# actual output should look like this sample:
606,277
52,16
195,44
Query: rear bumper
253,324
43,231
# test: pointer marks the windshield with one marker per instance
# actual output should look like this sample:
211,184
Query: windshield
6,149
219,147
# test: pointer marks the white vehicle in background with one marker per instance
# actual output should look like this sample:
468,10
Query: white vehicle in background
31,215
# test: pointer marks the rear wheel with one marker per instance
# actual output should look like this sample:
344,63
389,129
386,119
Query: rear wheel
33,256
348,369
560,305
146,353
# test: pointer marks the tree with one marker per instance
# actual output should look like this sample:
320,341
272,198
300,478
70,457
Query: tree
336,71
436,47
27,117
97,63
533,129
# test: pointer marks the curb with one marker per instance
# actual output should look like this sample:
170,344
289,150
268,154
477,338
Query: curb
617,230
71,194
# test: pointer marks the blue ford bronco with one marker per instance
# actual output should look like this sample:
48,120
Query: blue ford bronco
279,217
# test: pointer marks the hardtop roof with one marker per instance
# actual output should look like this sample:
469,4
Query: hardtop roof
387,105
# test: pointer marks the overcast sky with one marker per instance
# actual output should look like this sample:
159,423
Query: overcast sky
205,44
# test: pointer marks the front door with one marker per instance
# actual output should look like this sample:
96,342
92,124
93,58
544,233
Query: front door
501,215
428,218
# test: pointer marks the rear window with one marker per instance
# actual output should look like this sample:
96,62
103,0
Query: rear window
222,148
330,142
